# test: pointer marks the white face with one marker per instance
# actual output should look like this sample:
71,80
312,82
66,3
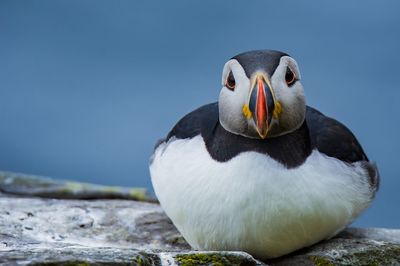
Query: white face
286,90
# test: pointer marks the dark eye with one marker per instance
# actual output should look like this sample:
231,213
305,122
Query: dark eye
290,77
230,82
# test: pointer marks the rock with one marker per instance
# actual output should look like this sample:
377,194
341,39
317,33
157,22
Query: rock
30,185
345,251
44,231
37,231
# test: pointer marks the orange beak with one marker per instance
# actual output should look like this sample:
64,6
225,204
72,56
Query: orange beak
262,106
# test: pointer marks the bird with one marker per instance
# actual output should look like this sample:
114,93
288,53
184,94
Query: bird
260,171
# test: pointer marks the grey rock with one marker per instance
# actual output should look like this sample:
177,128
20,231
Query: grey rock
45,231
345,251
31,185
36,231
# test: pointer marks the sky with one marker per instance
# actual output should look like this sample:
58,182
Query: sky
88,87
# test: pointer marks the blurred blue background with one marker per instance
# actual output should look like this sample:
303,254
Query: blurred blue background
87,87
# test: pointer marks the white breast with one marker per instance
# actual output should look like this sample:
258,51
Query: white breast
253,203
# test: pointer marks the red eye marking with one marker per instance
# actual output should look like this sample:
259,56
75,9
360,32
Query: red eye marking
230,82
290,77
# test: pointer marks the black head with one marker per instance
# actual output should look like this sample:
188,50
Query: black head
264,60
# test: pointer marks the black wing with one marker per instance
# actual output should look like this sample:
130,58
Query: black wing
336,140
333,138
201,121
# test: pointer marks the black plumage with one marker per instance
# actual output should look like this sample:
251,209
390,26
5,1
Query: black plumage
332,138
262,60
319,132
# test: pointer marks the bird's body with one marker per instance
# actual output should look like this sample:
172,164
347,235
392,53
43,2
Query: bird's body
268,196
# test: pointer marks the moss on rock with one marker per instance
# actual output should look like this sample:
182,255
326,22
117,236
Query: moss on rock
214,259
321,261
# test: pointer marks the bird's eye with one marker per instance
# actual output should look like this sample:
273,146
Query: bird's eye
230,82
290,77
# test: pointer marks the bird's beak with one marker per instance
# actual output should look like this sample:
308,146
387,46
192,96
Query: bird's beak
262,105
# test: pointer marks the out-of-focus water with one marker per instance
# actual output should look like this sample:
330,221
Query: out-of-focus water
87,87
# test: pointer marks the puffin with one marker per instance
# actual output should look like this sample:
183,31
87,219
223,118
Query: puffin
260,171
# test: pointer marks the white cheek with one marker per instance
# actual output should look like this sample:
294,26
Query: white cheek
289,95
231,102
292,101
281,90
235,99
243,90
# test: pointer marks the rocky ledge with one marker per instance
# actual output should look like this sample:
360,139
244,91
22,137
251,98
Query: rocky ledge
48,222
